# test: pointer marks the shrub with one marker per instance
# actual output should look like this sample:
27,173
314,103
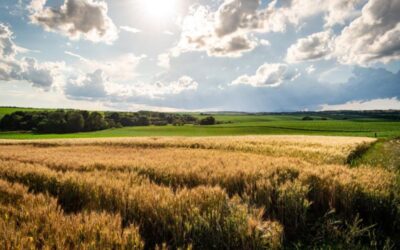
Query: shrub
308,118
208,121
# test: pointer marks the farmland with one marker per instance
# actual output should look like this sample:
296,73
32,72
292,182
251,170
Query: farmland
251,192
380,125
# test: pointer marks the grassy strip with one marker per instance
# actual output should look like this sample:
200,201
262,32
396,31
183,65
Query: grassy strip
334,128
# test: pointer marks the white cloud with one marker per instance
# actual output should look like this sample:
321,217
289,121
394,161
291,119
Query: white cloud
169,33
130,29
98,86
76,19
335,11
268,75
41,75
310,69
119,69
234,14
156,90
229,31
199,34
372,37
340,11
264,42
314,47
164,60
184,83
92,85
376,104
7,47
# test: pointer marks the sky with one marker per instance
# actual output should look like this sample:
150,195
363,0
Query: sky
200,55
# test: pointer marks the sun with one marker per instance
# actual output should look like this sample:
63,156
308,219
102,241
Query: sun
160,9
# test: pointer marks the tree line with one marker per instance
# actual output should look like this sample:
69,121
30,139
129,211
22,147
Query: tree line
72,121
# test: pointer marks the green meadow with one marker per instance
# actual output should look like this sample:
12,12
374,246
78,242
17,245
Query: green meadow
243,124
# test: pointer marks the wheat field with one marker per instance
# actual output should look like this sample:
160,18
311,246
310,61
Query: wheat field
253,192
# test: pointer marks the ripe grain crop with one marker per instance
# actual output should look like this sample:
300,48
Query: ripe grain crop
213,193
204,217
36,222
316,149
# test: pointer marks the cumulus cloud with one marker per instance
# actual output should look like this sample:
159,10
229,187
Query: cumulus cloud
119,69
313,47
98,86
160,89
90,86
375,104
41,75
7,47
76,19
229,31
372,37
268,75
199,34
234,14
334,11
340,11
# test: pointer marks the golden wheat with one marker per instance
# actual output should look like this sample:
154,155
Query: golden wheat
224,192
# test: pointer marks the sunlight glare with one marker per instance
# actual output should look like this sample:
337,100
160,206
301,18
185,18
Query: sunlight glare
160,9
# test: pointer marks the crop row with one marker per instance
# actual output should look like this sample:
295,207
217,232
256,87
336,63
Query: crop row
294,194
315,149
36,222
203,217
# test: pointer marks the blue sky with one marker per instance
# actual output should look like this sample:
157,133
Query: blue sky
242,55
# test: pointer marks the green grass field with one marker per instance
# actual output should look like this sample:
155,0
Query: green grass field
8,110
238,125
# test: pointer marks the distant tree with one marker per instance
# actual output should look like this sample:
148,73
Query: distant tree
85,114
95,122
142,121
6,123
115,116
57,122
60,121
308,118
53,122
160,123
75,121
208,121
